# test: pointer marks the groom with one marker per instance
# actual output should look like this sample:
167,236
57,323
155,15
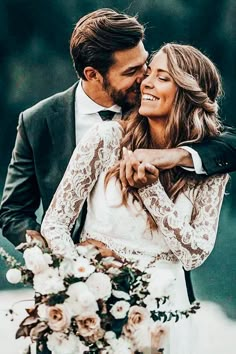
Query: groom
110,59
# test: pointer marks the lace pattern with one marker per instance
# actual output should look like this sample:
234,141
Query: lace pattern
192,241
129,253
190,236
98,150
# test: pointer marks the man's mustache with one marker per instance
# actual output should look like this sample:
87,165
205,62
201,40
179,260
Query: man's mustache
135,87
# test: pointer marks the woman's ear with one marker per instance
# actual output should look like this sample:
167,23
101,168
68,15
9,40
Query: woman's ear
92,74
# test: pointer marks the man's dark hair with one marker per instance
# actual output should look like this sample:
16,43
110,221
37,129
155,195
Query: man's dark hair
98,35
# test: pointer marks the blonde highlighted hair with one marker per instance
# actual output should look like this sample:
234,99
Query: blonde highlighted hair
194,115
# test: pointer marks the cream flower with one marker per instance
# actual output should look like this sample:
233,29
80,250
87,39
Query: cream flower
120,346
79,267
80,299
159,335
120,309
60,343
137,315
48,282
58,316
100,285
141,337
13,276
36,260
88,324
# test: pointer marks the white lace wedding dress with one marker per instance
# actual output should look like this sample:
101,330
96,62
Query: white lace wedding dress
185,232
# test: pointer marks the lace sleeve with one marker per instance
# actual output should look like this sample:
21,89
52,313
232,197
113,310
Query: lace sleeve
193,241
95,152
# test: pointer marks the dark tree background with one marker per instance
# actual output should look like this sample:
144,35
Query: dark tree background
35,63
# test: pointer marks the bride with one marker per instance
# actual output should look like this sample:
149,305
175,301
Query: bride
173,221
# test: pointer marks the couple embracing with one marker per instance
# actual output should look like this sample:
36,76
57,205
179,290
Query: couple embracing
147,176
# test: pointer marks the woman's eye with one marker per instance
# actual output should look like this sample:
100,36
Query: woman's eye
162,78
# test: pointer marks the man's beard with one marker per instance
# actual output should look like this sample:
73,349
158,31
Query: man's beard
123,99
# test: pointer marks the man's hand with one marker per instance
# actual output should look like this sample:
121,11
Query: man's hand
36,236
134,173
164,159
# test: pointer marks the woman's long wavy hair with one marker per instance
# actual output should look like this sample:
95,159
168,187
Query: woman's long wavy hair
194,115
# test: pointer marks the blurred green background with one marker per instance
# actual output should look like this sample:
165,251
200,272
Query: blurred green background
35,63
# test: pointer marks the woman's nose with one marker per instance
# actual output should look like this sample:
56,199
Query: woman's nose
147,82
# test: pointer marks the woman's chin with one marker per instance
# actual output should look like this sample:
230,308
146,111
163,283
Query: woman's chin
142,111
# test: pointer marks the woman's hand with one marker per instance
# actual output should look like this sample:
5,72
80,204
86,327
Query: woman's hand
135,173
101,247
36,236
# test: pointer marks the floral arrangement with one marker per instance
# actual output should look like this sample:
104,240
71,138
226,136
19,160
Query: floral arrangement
93,304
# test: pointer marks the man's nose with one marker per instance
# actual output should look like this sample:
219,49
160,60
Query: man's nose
141,74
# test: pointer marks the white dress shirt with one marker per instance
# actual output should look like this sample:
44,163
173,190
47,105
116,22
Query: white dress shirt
86,116
86,112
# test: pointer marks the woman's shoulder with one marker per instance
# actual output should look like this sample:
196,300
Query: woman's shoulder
108,131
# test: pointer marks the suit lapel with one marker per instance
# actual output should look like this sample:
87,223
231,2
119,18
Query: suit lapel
61,124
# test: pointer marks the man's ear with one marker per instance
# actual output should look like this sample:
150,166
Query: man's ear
92,74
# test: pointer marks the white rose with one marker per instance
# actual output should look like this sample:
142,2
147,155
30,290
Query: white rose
66,267
121,346
81,267
100,285
109,335
120,309
80,298
141,339
13,276
48,282
36,260
60,343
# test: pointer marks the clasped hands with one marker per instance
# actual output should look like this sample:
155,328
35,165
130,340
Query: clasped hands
141,167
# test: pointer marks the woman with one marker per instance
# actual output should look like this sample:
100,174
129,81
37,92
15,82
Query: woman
172,221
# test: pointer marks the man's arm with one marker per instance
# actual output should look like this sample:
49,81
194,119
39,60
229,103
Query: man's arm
218,154
21,197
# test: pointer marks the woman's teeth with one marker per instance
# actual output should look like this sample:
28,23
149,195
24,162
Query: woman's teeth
147,97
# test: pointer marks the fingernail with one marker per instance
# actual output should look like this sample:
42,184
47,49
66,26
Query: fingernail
148,165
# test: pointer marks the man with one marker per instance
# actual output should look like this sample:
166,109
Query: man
110,59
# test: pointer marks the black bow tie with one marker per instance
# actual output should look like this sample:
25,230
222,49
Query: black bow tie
106,114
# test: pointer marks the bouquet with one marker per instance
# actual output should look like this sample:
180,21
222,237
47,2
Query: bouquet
93,304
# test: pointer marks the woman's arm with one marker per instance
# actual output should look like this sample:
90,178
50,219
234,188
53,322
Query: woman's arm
193,241
87,162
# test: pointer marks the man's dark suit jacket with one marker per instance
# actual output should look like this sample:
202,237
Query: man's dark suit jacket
44,144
